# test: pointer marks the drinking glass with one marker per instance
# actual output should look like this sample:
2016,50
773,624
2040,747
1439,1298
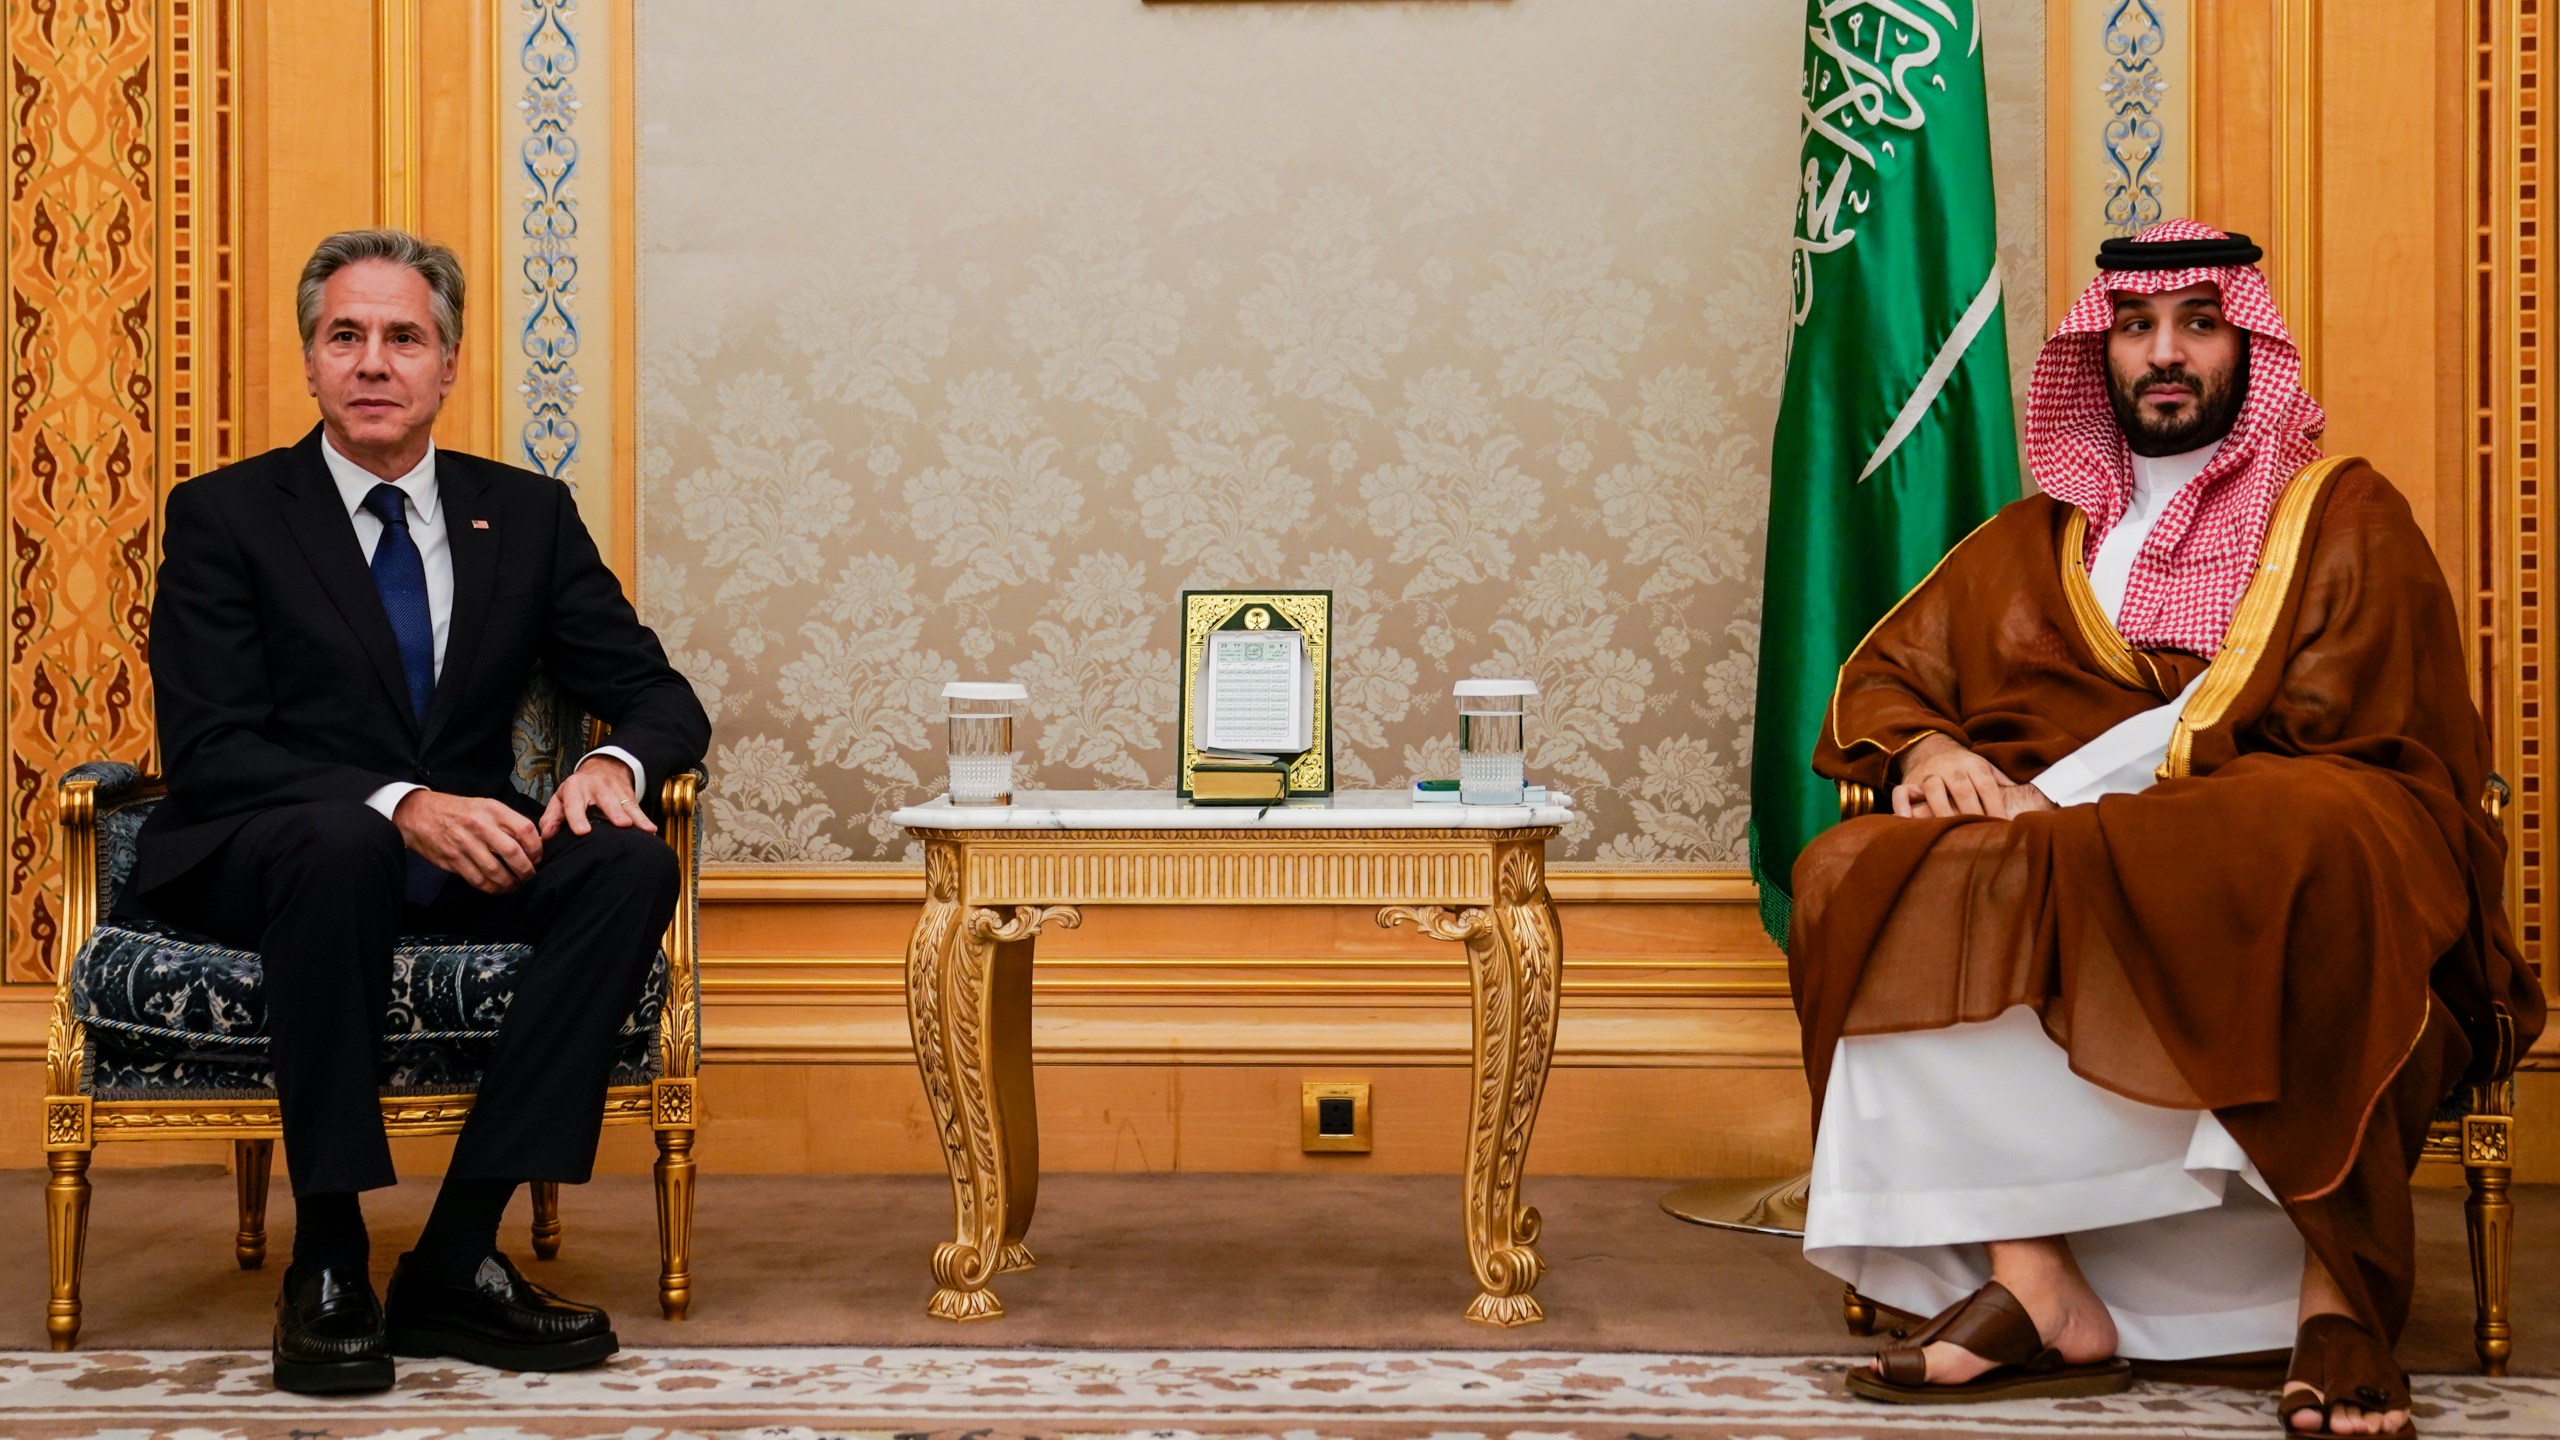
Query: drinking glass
978,739
1493,740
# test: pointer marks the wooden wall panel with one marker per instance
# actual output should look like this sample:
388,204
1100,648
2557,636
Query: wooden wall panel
2334,133
2233,143
458,143
2506,439
2390,274
315,166
311,171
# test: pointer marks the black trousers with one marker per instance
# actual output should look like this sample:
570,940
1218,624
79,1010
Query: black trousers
316,890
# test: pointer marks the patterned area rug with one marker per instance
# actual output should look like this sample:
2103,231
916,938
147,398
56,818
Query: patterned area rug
787,1394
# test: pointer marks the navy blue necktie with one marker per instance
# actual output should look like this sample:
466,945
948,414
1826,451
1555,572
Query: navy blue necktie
400,576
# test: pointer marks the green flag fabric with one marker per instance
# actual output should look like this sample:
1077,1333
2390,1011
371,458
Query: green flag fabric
1895,434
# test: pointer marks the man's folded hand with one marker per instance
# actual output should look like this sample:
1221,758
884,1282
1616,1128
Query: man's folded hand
1941,777
600,786
491,847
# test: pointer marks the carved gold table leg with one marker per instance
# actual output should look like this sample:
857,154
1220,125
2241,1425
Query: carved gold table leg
252,1162
969,1010
1009,1050
1514,954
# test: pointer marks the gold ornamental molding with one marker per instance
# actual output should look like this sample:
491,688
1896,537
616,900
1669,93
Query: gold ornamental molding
1758,1034
2296,251
250,1119
1186,868
397,130
200,244
838,885
2507,312
1328,979
1207,867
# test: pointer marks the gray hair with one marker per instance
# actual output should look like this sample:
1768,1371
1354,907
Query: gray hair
433,262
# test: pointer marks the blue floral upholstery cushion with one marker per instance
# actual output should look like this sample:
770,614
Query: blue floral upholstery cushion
169,1013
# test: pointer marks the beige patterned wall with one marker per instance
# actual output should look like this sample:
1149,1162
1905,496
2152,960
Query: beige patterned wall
973,330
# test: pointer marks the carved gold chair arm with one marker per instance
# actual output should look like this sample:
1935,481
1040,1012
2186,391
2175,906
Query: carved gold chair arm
680,1027
86,792
1856,799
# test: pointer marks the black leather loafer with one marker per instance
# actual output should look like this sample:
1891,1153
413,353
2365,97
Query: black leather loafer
500,1319
329,1337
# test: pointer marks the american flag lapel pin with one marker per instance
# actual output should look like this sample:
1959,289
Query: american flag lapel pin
479,524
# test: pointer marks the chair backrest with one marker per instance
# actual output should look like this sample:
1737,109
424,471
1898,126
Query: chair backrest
551,734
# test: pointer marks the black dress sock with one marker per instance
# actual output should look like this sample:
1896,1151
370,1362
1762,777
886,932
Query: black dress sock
329,1230
462,1229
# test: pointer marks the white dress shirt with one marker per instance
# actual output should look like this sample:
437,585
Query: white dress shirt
427,531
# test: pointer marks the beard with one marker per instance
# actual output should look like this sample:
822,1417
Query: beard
2201,422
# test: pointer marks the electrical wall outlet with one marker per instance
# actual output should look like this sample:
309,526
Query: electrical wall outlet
1333,1117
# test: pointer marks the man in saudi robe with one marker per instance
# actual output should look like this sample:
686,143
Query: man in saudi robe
2126,1022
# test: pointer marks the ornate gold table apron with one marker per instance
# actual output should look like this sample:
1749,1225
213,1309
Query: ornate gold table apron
995,878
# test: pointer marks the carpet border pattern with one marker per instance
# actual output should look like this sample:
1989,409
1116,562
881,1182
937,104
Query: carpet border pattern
1304,1394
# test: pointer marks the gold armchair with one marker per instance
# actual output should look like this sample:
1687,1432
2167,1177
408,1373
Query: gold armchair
2474,1128
119,1080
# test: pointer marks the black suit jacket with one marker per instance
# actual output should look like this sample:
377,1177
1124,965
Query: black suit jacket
278,682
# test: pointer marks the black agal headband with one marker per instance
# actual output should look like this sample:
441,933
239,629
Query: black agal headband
2123,254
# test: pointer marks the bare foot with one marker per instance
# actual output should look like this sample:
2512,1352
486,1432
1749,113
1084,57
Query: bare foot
2047,1280
2300,1404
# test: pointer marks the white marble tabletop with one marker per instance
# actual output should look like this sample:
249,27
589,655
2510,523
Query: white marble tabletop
1163,810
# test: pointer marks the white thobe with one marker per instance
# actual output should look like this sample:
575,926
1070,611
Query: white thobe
1936,1141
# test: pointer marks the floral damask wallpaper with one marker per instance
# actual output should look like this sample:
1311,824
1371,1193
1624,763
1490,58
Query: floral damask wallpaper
972,331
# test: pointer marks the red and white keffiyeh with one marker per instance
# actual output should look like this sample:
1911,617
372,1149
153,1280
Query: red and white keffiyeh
2199,556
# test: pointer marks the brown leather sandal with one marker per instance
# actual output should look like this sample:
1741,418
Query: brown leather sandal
2336,1361
1992,1324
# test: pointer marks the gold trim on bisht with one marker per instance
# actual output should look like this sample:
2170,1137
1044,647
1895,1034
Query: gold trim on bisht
2105,641
2253,623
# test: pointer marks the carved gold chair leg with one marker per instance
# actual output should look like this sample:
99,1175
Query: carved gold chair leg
66,1228
252,1163
1857,1311
2489,1214
546,1219
674,1172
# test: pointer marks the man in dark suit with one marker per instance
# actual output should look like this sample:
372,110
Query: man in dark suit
339,640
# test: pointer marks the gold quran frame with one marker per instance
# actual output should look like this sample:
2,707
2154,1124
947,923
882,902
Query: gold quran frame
1310,613
989,893
75,1124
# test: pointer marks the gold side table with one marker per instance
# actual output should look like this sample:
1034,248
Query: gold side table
995,876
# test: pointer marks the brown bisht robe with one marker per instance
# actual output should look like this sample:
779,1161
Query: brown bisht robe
2300,929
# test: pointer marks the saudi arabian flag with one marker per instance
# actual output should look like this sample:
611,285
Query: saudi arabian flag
1895,435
